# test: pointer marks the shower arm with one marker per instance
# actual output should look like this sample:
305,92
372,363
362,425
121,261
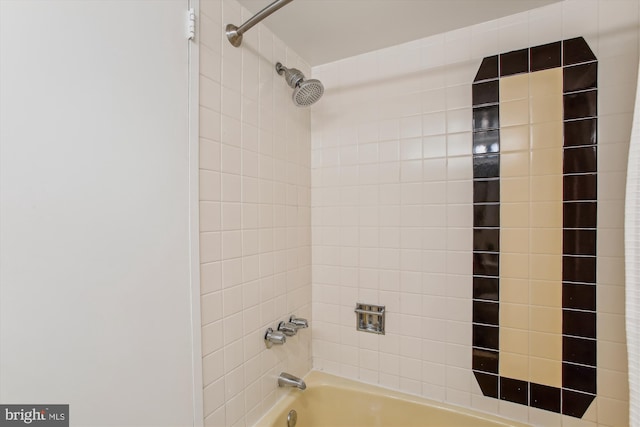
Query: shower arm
234,34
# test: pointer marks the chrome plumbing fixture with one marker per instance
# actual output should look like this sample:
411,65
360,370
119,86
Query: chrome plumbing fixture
288,380
234,34
287,328
370,318
272,337
299,322
292,418
305,92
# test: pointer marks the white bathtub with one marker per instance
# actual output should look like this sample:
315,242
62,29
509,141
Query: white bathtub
331,401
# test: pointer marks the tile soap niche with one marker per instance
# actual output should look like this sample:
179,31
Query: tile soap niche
370,318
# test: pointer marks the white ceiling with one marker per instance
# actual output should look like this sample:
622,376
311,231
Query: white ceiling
323,31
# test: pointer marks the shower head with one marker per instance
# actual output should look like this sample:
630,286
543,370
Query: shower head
305,92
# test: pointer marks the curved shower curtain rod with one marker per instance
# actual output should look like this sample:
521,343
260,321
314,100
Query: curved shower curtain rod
234,34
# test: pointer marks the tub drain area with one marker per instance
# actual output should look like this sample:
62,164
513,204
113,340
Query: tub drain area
292,418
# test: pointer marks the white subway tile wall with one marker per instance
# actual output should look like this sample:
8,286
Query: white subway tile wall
255,217
392,205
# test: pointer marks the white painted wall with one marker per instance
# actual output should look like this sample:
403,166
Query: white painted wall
95,292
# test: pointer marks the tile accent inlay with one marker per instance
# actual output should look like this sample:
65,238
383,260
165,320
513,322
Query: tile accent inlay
535,205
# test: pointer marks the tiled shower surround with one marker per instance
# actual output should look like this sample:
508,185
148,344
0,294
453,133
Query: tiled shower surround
255,237
377,182
393,217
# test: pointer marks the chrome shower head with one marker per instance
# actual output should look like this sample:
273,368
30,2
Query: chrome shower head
305,92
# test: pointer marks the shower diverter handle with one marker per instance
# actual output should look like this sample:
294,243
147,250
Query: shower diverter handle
287,328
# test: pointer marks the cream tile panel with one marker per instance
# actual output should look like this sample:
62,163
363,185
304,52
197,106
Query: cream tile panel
514,215
514,341
515,138
546,215
514,290
531,221
545,267
545,371
546,346
514,113
548,161
545,319
514,88
514,316
546,241
546,135
513,165
514,366
515,189
545,108
514,265
545,83
516,239
546,188
545,293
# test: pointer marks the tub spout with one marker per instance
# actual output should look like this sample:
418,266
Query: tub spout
288,380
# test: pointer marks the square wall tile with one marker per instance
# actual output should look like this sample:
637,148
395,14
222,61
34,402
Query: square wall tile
545,371
514,113
514,88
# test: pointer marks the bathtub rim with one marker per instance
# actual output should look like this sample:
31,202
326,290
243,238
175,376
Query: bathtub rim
315,378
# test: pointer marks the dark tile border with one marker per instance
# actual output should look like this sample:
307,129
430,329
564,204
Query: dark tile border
580,94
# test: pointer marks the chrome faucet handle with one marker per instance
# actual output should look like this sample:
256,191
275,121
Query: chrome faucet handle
272,337
289,329
299,322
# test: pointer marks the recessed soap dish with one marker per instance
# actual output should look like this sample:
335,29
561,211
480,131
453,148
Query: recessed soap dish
370,318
